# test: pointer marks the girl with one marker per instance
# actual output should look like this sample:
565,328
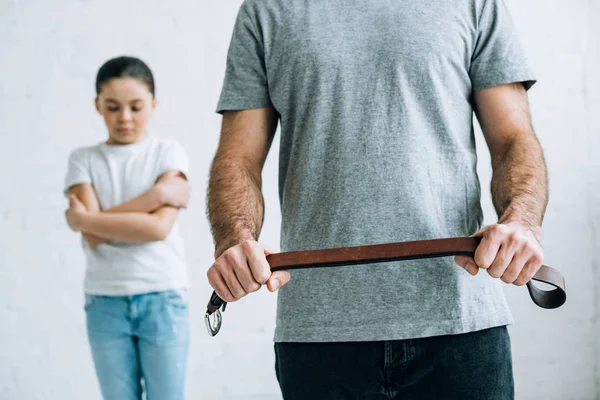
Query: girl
124,197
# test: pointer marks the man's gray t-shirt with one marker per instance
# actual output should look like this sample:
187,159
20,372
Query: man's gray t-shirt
377,146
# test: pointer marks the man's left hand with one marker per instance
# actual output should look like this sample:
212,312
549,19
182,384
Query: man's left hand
509,251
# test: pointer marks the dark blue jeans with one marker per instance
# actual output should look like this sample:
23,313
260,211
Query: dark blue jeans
476,365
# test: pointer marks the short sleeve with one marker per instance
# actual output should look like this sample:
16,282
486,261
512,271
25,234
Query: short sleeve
498,56
78,170
173,158
245,85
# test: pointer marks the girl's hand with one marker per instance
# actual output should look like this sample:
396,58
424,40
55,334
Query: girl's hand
75,212
175,191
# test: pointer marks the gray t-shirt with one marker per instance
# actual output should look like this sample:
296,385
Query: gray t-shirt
377,146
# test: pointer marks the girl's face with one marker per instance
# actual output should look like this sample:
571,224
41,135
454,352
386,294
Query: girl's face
126,105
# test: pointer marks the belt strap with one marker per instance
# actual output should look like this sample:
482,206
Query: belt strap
464,246
420,249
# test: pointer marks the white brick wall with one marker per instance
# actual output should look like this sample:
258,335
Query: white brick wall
49,54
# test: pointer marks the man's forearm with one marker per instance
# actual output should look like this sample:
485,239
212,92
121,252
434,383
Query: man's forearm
520,182
132,227
235,203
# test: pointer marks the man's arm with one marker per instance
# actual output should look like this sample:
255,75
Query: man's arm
519,181
511,249
235,205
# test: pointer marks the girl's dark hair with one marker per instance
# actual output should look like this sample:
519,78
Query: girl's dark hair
125,67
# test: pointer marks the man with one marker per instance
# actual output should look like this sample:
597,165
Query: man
375,101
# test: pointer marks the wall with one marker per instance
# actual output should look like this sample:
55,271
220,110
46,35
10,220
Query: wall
50,52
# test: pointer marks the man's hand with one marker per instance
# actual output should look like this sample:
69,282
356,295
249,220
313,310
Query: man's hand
75,212
174,191
243,269
509,251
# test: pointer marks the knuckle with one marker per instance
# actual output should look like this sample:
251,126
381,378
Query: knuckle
220,264
212,274
498,230
247,246
224,257
232,259
236,261
528,248
227,254
537,258
531,245
513,237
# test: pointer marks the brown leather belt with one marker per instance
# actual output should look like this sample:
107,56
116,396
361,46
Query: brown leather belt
377,253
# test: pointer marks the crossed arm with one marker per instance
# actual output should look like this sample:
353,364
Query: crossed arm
146,218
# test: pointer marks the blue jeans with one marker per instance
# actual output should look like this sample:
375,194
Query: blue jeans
139,338
470,366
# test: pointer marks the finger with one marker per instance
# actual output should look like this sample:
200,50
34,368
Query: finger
233,284
468,264
531,267
277,280
220,287
481,232
256,259
242,272
462,261
504,257
515,267
486,252
511,243
227,265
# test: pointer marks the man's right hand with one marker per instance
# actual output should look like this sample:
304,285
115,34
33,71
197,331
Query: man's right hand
243,269
174,191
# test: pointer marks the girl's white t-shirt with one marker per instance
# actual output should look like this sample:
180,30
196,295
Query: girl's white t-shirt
120,173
